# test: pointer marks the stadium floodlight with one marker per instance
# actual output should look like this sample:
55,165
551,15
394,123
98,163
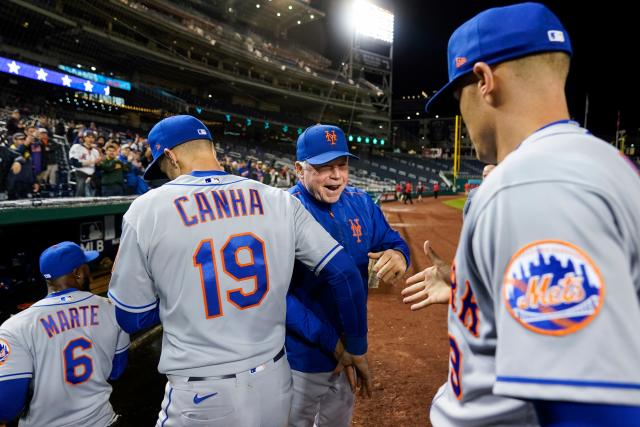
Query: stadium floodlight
350,138
382,142
375,141
359,139
366,140
372,21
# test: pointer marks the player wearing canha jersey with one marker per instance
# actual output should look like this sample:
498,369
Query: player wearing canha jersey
544,299
211,255
62,349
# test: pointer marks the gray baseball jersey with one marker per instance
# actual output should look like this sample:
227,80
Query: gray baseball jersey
216,252
546,284
66,344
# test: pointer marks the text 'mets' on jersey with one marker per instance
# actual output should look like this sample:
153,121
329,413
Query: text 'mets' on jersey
217,251
66,344
546,284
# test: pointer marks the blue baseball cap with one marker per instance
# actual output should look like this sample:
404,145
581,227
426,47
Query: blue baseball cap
320,144
63,258
168,133
497,35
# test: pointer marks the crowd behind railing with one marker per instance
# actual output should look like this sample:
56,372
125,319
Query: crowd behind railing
41,156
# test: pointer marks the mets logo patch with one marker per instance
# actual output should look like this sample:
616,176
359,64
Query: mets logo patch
553,287
5,350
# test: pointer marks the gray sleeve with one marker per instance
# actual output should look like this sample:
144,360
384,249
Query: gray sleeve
552,256
16,361
314,245
131,287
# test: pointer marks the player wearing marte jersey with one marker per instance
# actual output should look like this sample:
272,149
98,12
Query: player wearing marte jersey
62,349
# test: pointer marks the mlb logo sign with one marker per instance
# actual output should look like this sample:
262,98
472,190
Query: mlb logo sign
202,132
555,36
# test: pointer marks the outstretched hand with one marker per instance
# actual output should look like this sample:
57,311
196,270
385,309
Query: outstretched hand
430,286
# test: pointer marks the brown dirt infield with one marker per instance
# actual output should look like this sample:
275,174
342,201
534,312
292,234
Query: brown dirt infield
408,351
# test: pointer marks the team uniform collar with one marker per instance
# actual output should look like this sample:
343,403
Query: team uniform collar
557,127
62,292
207,173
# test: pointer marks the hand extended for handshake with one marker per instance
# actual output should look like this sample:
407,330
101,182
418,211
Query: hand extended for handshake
430,286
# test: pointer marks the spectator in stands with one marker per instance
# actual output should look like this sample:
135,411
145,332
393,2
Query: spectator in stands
408,189
113,171
84,158
101,143
35,148
436,189
284,178
467,204
15,124
20,180
273,176
49,161
7,157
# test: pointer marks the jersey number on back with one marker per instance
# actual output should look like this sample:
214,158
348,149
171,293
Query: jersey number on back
78,367
255,269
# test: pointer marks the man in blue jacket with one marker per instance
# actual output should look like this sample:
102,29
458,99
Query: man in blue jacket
313,327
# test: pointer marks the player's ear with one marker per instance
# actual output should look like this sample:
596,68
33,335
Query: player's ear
486,81
171,156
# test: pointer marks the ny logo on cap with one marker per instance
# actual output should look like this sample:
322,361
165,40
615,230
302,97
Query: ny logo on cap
460,61
331,137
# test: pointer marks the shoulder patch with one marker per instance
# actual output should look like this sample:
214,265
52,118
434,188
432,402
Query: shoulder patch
5,351
553,287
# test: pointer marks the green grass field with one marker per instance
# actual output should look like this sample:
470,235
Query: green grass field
456,203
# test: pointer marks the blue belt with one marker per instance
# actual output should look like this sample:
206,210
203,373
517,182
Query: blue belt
224,377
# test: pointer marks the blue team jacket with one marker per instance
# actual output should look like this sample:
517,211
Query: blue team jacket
313,325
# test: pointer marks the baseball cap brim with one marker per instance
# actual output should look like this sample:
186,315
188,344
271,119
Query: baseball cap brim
91,255
443,101
329,156
153,170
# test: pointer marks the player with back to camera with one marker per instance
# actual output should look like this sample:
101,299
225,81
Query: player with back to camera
62,349
545,285
210,255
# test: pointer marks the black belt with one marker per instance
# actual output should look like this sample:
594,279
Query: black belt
224,377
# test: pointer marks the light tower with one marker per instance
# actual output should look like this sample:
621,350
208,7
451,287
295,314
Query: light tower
371,56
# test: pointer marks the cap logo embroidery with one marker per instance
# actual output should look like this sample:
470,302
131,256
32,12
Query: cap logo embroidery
460,61
202,132
331,137
555,36
157,147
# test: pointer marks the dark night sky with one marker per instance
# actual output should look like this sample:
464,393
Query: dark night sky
605,40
